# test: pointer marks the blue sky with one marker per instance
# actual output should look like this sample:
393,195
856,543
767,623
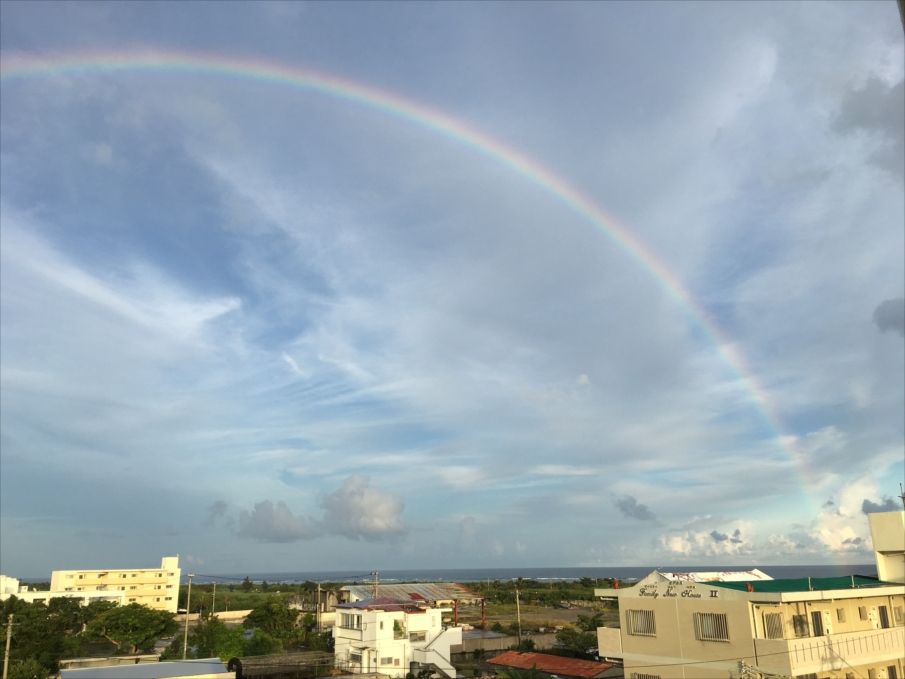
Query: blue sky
270,329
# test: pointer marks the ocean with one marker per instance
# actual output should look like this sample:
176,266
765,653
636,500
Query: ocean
624,573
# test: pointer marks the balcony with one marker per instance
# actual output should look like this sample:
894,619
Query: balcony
830,652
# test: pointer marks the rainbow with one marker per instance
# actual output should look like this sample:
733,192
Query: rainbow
17,68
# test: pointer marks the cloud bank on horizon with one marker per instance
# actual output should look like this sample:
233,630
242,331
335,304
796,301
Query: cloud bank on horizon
239,314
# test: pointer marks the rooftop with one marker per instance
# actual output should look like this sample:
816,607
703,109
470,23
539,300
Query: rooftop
385,603
551,664
428,592
806,584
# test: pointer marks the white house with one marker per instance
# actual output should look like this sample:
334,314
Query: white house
393,637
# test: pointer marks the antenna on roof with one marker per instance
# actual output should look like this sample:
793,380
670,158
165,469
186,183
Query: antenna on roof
901,492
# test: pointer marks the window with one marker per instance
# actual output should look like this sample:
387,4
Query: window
81,577
169,586
417,636
636,675
871,674
641,623
133,586
898,615
70,577
884,617
381,624
122,587
132,599
800,624
159,587
849,675
892,672
160,575
386,661
123,575
354,657
773,625
68,589
862,612
157,599
817,621
169,598
711,627
840,615
350,621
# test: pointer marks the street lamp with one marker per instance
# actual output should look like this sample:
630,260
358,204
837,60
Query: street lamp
188,603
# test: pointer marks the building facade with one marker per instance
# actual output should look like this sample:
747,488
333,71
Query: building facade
820,628
887,531
393,638
152,587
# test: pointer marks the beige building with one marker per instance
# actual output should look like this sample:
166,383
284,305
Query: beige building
887,530
820,628
152,587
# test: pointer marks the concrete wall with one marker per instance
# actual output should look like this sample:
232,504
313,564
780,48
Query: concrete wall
489,644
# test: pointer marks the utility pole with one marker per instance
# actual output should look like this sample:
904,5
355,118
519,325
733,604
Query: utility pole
188,602
317,609
376,575
518,617
9,635
214,601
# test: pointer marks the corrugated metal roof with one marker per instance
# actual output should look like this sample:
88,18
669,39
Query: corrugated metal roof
384,603
418,591
551,664
157,670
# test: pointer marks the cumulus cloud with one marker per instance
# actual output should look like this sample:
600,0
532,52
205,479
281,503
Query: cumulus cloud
358,511
275,524
632,509
889,316
355,510
888,505
216,511
709,543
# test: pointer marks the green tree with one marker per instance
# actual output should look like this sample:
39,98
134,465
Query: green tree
260,643
577,643
589,623
132,628
27,669
274,618
246,585
35,636
264,586
513,673
214,638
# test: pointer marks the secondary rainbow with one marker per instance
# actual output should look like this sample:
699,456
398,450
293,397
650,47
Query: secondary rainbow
19,67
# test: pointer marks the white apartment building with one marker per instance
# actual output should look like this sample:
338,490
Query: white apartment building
393,637
152,587
12,587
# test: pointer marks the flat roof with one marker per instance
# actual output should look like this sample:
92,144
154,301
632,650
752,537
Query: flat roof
151,670
804,584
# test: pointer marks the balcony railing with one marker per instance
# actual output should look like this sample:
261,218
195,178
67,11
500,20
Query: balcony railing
830,652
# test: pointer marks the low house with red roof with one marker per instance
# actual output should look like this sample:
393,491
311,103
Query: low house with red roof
555,665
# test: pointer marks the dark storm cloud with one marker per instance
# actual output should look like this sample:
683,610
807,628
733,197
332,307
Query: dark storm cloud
632,509
888,505
878,108
719,537
890,315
